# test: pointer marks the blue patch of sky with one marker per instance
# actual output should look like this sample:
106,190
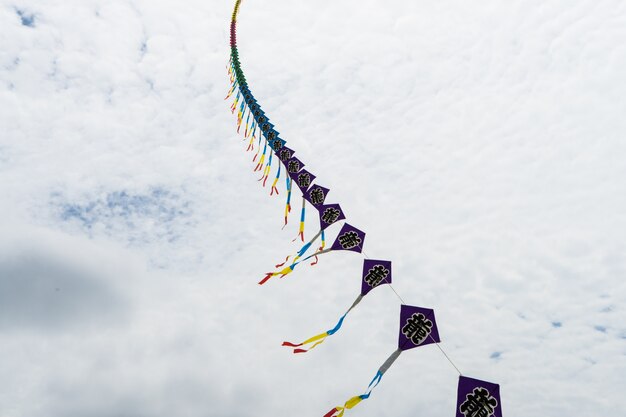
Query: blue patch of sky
14,64
123,211
27,19
601,329
495,355
557,324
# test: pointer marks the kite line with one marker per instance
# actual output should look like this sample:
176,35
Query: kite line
418,327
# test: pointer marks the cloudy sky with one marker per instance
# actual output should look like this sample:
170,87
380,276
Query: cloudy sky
481,146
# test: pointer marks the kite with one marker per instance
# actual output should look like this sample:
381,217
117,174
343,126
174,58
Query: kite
375,273
417,328
478,398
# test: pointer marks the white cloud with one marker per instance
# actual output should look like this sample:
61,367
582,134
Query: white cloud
480,146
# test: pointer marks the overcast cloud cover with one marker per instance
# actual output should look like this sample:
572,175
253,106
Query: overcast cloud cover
481,145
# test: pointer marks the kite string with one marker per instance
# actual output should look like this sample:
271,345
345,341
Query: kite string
430,336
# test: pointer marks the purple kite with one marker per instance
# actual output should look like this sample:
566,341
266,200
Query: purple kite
478,398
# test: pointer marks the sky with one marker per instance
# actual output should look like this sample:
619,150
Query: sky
480,145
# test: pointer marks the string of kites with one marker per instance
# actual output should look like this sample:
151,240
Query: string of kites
418,326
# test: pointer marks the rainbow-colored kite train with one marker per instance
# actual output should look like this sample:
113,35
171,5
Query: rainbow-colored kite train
418,326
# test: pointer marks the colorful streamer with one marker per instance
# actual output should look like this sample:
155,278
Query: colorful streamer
417,328
354,401
349,238
375,273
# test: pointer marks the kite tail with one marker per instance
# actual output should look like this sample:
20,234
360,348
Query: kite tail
246,131
231,73
321,248
236,102
352,402
306,247
268,168
259,141
252,136
286,259
320,338
275,182
231,70
259,148
262,160
316,340
301,252
287,204
316,254
231,91
282,273
302,216
240,113
294,262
